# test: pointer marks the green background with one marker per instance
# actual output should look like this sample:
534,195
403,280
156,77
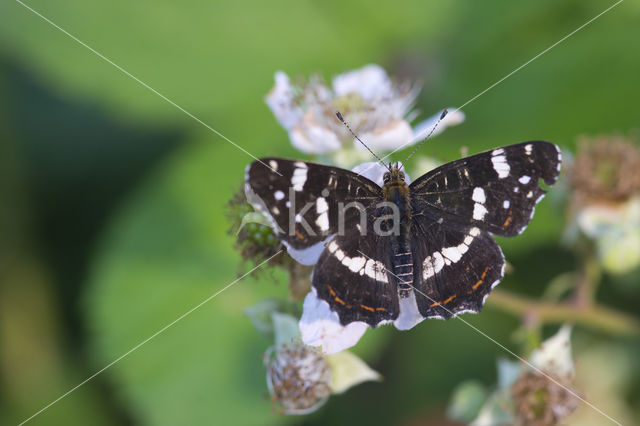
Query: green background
112,200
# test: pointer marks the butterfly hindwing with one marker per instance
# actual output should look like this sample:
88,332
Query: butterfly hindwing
455,267
352,275
495,190
302,200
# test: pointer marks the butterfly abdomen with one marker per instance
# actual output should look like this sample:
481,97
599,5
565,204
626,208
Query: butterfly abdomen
396,191
403,268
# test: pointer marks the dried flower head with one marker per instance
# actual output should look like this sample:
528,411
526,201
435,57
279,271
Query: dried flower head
298,377
605,179
255,240
540,401
606,170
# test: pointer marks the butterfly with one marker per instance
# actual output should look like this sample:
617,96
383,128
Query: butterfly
404,252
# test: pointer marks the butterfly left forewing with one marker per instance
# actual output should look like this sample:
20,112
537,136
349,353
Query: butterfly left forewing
495,190
302,201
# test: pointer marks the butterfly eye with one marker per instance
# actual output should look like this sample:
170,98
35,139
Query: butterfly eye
386,177
402,176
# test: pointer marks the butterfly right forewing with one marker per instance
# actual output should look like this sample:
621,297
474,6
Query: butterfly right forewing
495,190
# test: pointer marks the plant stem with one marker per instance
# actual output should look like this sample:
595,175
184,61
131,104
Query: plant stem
591,315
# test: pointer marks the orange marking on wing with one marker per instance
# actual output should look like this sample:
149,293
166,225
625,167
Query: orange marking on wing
508,221
476,285
381,309
299,235
481,280
368,308
340,301
449,299
484,274
333,293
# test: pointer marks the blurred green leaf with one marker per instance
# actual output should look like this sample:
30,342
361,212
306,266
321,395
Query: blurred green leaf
206,366
285,328
260,315
466,401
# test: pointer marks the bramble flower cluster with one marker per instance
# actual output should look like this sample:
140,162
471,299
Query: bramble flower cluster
308,361
537,393
301,378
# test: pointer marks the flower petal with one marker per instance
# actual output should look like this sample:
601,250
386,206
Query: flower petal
375,172
370,82
422,129
280,101
371,170
319,326
554,354
311,138
392,135
347,370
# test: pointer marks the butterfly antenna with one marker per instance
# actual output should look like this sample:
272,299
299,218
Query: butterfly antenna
433,129
341,118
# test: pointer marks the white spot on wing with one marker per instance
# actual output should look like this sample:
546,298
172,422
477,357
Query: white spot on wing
454,254
279,195
524,179
376,270
299,177
479,195
528,148
500,165
438,262
479,211
427,268
321,205
323,221
506,204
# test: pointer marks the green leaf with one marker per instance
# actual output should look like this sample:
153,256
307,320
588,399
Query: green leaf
347,370
158,261
285,328
260,315
466,401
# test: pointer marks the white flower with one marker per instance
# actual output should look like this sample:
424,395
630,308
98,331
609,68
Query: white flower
554,354
616,231
376,107
320,326
301,378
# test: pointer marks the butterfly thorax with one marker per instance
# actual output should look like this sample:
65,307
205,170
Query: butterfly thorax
395,190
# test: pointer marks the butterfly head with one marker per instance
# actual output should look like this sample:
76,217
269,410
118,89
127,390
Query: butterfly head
393,175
